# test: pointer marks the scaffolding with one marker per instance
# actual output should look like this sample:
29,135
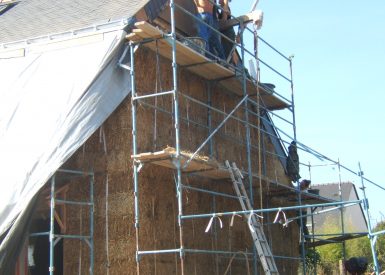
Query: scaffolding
66,175
235,80
239,82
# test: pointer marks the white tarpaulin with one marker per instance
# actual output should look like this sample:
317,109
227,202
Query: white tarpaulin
52,98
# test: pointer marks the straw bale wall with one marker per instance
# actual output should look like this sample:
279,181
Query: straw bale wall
108,152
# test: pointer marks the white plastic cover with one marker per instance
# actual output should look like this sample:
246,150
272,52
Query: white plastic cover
52,100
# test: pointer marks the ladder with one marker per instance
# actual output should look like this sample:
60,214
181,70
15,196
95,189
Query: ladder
255,226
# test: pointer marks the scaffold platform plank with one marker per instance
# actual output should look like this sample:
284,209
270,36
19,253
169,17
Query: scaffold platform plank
336,239
160,42
290,195
210,168
201,166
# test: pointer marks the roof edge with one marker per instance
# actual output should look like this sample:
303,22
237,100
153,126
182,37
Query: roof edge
75,33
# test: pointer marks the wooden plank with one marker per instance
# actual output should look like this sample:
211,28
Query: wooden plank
200,165
148,28
164,50
200,65
141,33
151,155
270,101
188,55
133,37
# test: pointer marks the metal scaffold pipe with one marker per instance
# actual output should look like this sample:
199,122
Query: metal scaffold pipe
371,237
177,134
275,209
134,152
52,229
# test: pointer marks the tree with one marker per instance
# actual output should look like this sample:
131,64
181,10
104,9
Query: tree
380,245
330,254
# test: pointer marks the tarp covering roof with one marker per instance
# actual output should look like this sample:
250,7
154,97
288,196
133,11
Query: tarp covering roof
53,97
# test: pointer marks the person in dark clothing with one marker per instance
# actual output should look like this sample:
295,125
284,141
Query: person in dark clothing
292,163
207,13
356,265
229,43
303,186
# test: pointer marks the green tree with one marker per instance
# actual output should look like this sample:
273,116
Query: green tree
330,254
380,245
359,247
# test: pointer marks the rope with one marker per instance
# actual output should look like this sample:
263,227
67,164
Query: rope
80,241
158,79
232,219
278,218
107,235
259,118
154,230
231,260
102,139
250,222
211,222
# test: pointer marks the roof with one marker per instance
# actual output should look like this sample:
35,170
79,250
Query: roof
34,18
354,218
330,190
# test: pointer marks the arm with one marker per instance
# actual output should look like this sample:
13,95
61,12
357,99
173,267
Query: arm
226,10
226,7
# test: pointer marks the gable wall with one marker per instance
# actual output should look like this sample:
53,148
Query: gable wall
158,205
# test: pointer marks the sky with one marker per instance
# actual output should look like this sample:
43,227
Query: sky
338,73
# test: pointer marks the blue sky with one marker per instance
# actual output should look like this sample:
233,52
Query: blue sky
339,49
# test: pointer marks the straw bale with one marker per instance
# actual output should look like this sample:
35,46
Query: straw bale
108,153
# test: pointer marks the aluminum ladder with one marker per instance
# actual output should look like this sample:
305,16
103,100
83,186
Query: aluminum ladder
256,230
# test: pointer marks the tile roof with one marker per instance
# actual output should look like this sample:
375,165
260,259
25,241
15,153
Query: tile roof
33,18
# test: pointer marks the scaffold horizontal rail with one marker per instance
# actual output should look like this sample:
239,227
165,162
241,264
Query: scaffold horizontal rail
59,201
152,95
275,209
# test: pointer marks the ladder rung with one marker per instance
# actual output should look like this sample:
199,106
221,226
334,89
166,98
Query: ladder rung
258,235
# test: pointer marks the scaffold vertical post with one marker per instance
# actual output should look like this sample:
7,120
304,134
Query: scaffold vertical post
370,235
134,152
341,209
92,181
52,229
209,118
302,235
313,239
248,152
177,133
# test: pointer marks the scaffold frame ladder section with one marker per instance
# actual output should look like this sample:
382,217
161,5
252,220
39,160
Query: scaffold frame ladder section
256,230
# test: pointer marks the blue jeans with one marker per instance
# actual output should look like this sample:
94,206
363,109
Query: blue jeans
213,41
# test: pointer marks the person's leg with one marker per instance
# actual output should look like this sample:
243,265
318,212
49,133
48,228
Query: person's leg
228,45
304,224
215,40
203,30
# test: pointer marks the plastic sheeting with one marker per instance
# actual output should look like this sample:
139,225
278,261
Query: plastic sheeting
51,101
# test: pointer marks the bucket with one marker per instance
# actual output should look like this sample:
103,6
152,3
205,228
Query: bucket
196,43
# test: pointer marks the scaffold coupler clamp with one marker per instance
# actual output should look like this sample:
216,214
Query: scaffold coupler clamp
366,203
